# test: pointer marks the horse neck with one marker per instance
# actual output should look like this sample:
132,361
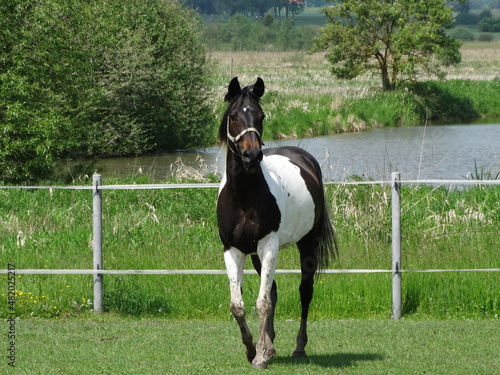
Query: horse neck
239,179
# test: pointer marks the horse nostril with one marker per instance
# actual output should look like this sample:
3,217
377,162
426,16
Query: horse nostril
252,156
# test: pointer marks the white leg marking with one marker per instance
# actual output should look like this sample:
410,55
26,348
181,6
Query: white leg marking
268,253
235,261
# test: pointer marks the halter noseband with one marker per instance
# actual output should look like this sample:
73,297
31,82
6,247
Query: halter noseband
235,140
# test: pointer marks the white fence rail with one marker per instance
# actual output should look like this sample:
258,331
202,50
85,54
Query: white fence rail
98,272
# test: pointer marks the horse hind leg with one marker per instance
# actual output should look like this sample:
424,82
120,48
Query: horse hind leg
309,266
235,261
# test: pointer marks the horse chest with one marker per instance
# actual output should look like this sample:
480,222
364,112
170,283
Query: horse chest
244,219
280,202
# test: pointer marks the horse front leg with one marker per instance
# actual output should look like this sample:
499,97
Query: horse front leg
274,298
235,261
268,254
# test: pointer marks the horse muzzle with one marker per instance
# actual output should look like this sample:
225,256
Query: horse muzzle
251,158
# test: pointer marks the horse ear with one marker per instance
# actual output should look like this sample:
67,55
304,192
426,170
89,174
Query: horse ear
258,88
233,90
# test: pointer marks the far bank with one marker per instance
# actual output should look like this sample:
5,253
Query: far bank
453,101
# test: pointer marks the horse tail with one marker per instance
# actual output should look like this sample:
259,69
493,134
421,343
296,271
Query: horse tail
327,241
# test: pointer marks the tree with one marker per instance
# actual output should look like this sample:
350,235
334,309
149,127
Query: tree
293,7
461,6
234,6
203,6
400,39
260,7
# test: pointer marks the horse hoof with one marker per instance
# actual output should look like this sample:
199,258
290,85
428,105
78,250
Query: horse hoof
259,365
270,354
299,354
251,353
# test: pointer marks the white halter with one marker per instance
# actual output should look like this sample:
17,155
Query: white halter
235,140
238,137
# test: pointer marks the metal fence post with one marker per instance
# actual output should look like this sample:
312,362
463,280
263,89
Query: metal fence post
396,246
97,240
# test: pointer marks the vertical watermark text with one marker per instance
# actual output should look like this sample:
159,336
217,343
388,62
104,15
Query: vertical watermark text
11,315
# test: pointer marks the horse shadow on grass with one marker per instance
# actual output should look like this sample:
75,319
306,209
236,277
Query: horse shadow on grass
338,360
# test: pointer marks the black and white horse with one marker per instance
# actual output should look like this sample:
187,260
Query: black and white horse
268,199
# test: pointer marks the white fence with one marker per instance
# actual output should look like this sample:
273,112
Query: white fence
98,272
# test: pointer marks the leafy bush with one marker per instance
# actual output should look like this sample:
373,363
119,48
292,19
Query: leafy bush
491,25
98,78
486,37
462,33
485,13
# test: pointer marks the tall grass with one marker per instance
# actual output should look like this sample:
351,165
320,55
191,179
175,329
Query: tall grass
176,229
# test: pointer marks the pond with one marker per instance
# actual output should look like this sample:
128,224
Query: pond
420,152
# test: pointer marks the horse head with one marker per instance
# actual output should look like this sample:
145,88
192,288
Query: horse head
241,126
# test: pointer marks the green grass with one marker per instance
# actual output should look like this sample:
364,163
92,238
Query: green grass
177,229
113,345
413,104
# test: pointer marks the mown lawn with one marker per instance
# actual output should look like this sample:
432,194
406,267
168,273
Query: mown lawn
109,344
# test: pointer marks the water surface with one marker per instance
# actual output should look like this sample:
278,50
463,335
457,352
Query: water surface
420,152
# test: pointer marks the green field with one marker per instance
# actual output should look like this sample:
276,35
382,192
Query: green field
113,345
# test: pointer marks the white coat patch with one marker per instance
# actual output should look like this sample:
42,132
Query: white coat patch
292,196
